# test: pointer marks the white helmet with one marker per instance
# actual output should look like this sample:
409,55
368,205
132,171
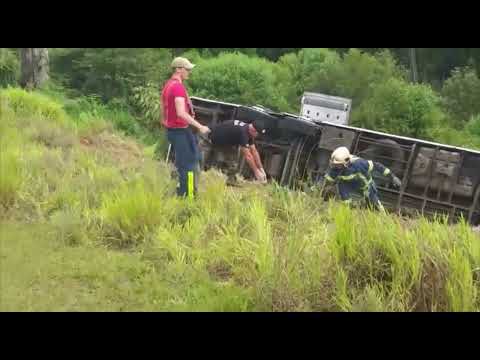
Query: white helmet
340,156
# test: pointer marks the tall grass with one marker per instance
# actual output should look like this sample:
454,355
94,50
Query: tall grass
10,174
25,104
108,233
131,211
11,164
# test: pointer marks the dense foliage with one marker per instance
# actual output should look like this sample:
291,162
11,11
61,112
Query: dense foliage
461,94
9,67
442,107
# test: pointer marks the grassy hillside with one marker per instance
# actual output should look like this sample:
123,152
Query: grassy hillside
89,222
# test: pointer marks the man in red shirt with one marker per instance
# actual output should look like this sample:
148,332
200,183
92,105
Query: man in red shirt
178,118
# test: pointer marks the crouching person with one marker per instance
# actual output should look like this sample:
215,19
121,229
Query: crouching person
354,174
227,137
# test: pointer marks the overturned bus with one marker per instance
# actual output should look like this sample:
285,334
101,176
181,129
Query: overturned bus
436,178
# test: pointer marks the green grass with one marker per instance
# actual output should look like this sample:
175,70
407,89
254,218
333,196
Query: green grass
96,227
10,174
28,104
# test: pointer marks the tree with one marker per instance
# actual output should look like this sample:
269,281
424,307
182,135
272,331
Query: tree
9,67
111,73
238,78
352,75
34,67
401,108
413,65
273,54
461,95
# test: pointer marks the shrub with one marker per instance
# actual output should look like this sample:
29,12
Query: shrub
89,111
237,78
110,72
400,108
133,211
473,126
289,78
353,76
461,95
32,104
448,135
318,69
147,101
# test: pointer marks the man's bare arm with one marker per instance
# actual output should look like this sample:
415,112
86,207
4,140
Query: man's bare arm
256,156
182,113
249,158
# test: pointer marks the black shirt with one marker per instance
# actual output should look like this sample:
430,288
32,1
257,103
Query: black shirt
231,132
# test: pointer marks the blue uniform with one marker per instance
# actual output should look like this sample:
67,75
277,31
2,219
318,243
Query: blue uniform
357,177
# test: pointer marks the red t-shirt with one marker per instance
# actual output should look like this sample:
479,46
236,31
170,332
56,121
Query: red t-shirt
174,88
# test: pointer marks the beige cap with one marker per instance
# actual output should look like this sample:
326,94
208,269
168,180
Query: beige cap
181,62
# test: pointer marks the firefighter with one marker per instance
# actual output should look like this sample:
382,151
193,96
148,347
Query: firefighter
226,138
354,174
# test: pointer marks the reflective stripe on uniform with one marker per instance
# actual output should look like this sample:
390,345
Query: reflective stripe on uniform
386,172
190,184
366,182
380,207
370,166
329,178
348,177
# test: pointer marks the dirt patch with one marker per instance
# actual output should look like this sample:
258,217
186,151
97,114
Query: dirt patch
220,271
124,153
430,295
